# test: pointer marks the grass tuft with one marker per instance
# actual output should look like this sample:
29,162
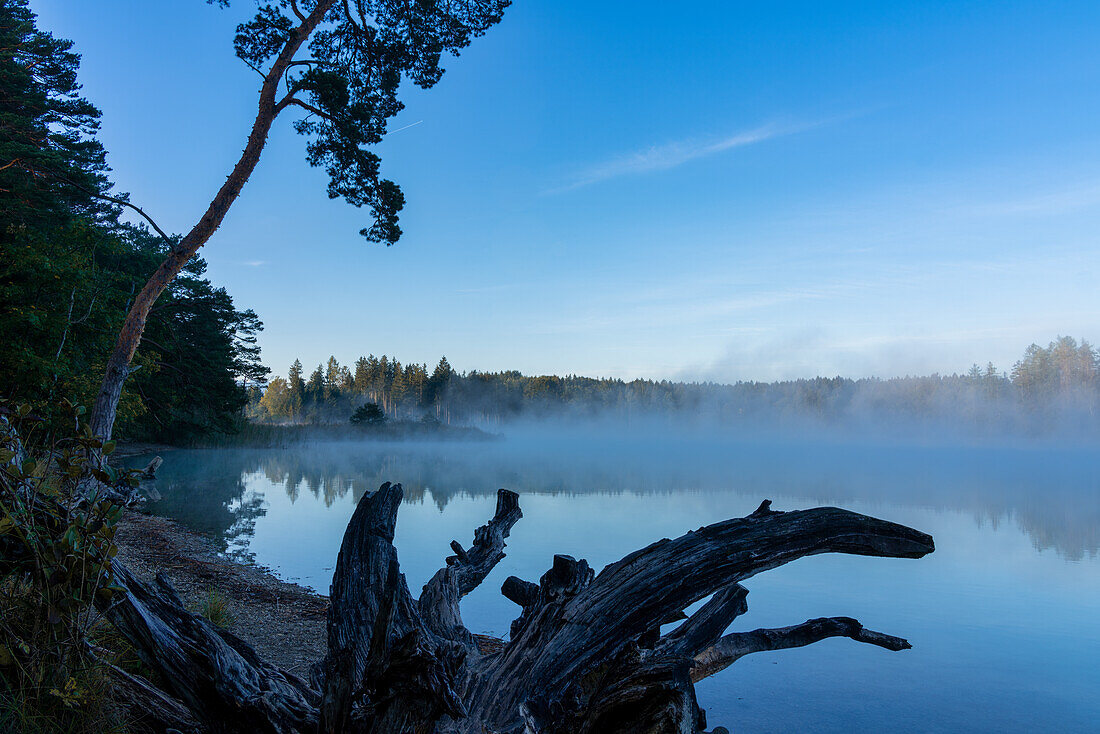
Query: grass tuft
215,608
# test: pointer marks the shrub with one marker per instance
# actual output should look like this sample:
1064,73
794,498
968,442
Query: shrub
369,414
57,530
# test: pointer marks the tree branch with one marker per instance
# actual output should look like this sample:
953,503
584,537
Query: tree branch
290,99
347,13
464,572
120,202
738,644
577,623
381,660
705,626
217,675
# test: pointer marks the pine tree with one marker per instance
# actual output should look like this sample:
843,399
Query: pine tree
361,379
297,389
398,389
315,387
346,88
437,386
347,382
332,380
373,379
382,382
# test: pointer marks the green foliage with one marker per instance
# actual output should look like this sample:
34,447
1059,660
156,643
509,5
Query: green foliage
69,268
368,415
198,353
358,59
57,540
1051,388
47,130
1064,365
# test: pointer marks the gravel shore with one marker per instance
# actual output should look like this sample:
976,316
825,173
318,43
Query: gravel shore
283,621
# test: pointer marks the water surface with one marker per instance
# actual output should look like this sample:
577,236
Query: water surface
1004,617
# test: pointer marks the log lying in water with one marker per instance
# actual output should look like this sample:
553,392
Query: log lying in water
586,653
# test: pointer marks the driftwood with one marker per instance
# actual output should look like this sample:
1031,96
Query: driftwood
150,470
586,653
148,708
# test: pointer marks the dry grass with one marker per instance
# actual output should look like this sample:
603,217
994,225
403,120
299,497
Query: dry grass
215,608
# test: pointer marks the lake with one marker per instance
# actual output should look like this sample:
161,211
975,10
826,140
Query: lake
1004,617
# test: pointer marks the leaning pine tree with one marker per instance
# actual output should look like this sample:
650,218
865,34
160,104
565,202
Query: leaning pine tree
339,63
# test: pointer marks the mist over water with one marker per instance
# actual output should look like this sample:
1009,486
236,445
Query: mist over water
1051,395
1002,616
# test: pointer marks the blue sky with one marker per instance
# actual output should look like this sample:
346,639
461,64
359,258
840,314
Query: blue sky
702,190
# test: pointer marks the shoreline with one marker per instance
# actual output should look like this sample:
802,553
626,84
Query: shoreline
283,621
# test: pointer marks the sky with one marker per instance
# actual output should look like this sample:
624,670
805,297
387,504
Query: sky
703,190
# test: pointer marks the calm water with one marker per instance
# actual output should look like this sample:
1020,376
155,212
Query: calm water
1004,617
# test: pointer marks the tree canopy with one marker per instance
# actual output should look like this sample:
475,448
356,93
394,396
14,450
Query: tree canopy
69,266
347,88
357,54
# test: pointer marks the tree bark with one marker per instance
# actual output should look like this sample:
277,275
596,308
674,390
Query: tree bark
218,676
586,654
581,655
118,365
148,708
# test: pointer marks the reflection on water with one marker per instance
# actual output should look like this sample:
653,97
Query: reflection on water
1053,496
1003,617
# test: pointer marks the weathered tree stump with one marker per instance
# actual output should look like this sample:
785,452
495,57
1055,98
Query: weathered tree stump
586,653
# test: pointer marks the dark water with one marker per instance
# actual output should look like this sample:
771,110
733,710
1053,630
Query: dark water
1004,617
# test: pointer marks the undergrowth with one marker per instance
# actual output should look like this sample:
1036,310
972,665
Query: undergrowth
57,530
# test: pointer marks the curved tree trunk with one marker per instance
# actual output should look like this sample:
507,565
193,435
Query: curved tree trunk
118,365
586,653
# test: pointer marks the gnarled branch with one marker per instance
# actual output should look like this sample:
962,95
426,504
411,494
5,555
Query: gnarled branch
579,623
585,655
738,644
464,572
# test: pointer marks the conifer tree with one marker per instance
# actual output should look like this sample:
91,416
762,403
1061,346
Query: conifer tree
340,65
297,388
397,389
332,379
315,386
360,379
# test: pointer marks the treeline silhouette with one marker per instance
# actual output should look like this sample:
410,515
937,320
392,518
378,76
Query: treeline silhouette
1050,387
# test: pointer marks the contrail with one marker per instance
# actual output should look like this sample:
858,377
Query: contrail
411,124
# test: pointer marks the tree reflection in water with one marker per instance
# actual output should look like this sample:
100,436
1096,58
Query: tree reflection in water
1053,495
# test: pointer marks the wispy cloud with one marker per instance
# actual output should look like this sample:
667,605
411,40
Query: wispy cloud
1065,200
671,155
254,263
494,288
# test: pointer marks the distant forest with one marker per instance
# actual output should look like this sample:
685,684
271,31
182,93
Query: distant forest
1052,387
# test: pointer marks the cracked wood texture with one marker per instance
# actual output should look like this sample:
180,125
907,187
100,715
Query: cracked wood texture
218,676
585,654
584,644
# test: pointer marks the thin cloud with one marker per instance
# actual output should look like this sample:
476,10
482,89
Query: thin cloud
254,263
1051,203
671,155
495,288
